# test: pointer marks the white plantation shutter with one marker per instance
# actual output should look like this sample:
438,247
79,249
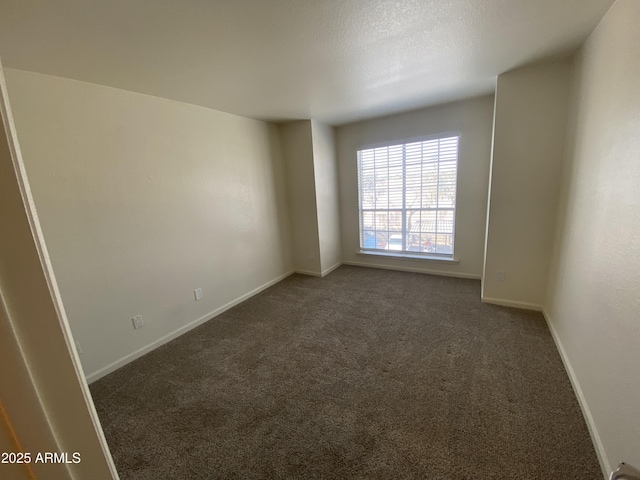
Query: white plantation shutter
407,197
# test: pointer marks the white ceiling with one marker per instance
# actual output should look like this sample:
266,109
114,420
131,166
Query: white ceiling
333,60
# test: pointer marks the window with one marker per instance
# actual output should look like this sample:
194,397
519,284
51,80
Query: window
407,197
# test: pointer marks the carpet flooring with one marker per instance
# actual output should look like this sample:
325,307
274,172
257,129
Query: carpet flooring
363,374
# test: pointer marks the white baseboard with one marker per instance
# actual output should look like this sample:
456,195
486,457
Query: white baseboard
323,273
327,271
415,270
512,303
101,372
582,401
308,272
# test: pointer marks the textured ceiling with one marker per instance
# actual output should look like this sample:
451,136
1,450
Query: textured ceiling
333,60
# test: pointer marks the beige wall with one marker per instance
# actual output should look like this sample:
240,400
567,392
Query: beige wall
142,200
594,289
528,147
327,194
472,120
298,153
312,186
43,397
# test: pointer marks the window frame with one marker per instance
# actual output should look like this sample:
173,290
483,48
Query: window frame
443,257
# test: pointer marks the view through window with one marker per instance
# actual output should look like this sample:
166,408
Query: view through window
407,197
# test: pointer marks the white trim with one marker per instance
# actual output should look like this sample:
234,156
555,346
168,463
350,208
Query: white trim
308,272
582,401
415,270
327,271
324,272
50,279
409,256
512,303
101,372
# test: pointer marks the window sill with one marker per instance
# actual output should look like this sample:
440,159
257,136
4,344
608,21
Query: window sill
409,256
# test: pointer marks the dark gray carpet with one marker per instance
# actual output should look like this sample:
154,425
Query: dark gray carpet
366,373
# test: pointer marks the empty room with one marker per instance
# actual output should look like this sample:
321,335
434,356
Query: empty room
320,239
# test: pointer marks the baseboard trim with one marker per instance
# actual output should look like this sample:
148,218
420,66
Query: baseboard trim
121,362
582,401
308,272
512,303
415,270
327,271
323,273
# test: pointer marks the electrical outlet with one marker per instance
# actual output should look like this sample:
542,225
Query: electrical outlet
198,294
78,348
137,321
500,275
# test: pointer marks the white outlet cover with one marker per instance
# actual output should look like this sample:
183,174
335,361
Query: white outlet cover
198,293
137,321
